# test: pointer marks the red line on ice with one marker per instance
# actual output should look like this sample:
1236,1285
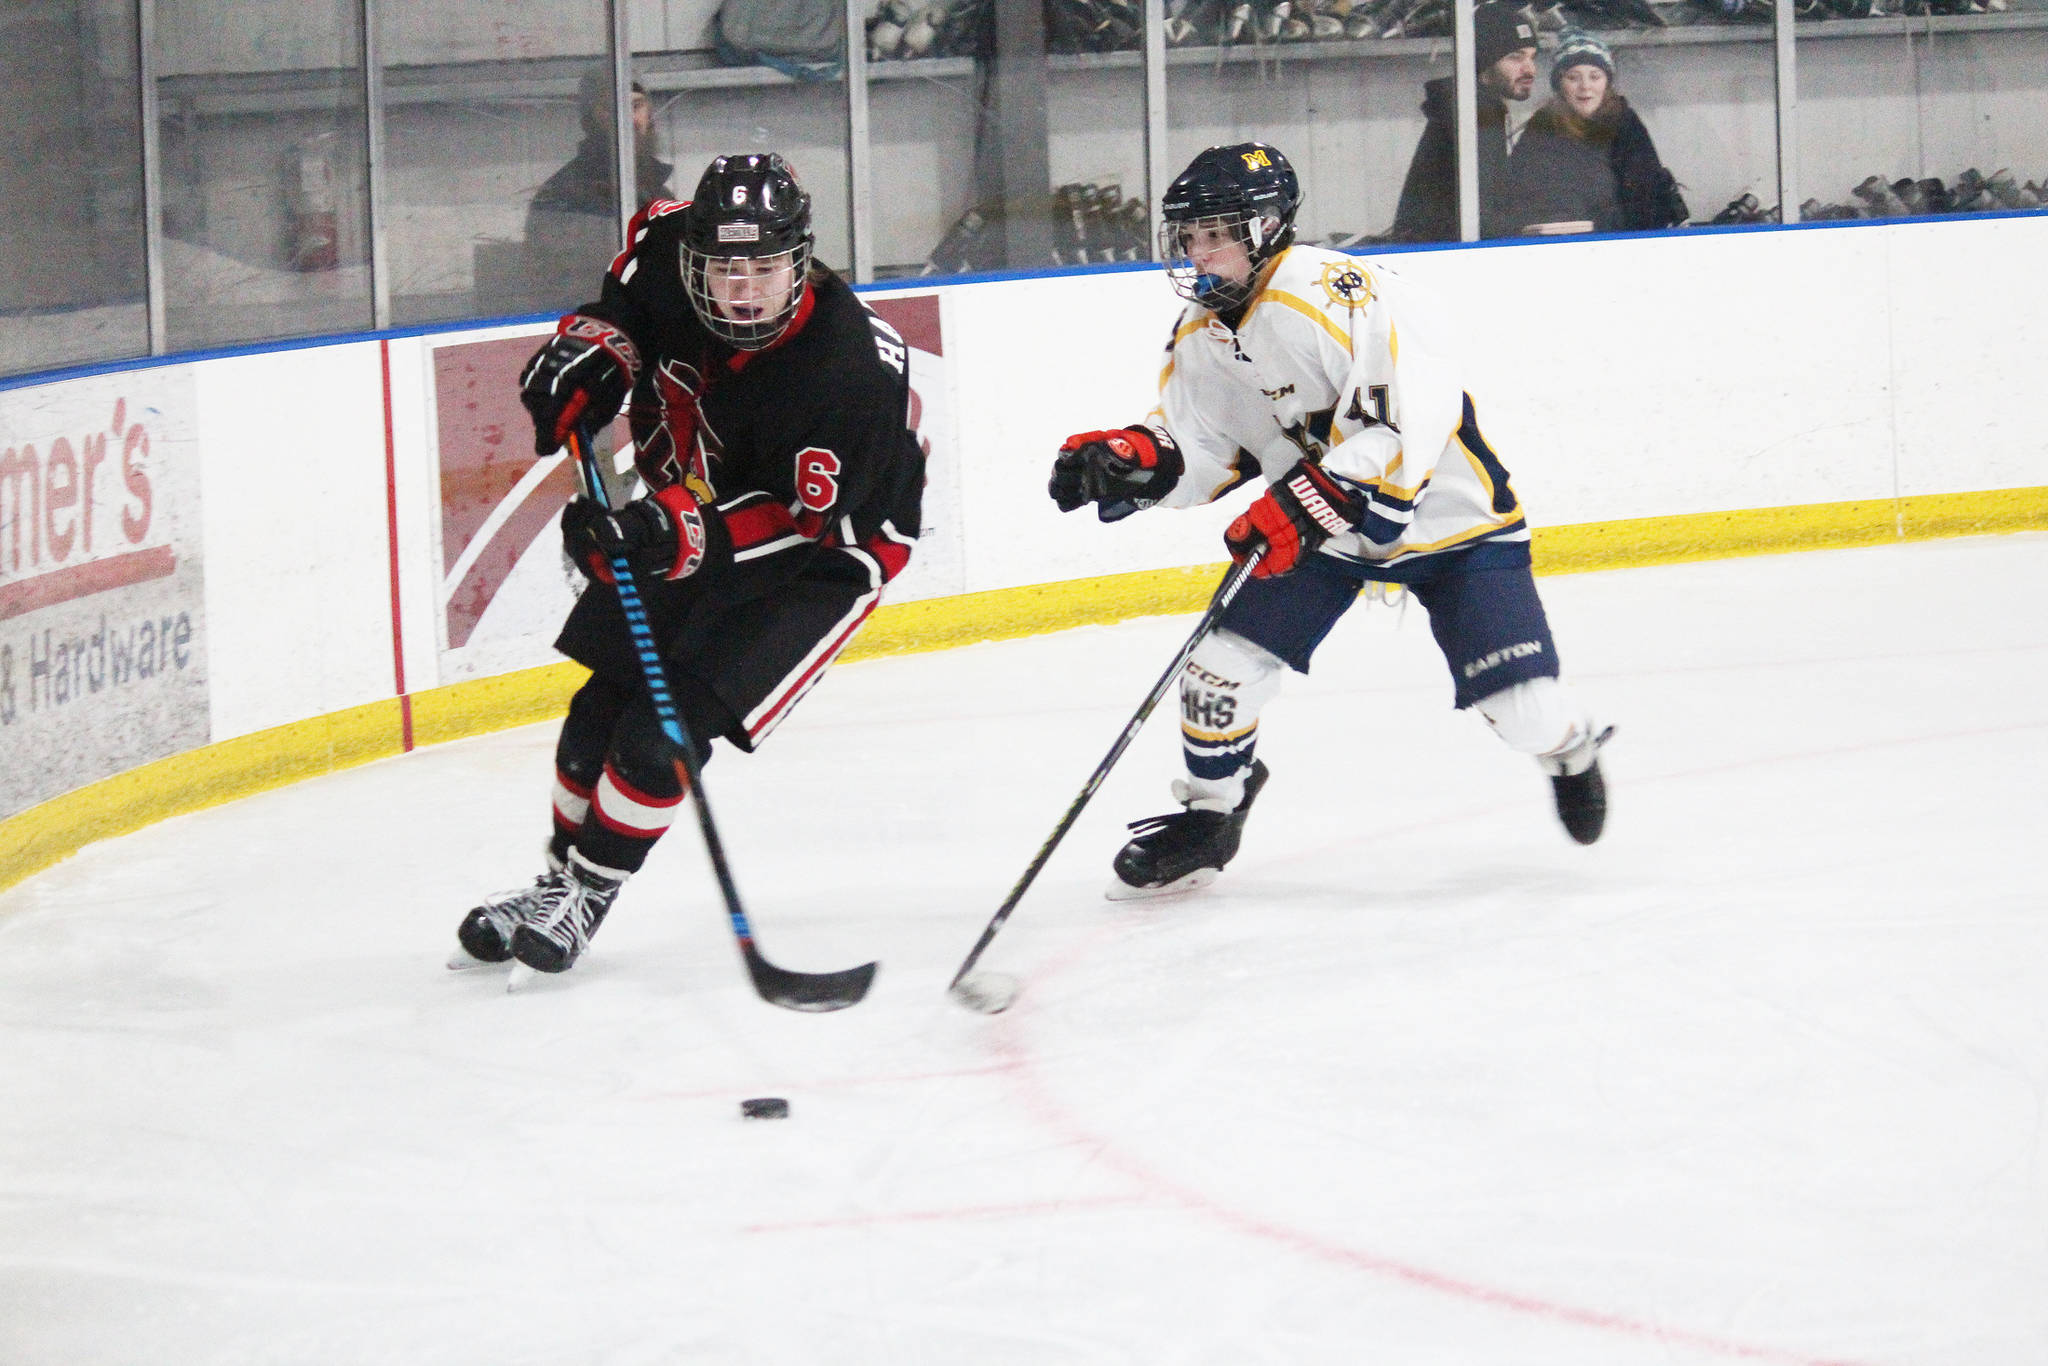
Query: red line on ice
831,1083
1010,1044
935,1216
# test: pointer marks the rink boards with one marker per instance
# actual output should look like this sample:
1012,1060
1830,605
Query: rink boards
332,551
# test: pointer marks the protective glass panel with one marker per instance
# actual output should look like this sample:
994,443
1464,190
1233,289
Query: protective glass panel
761,78
1936,114
500,182
1342,98
1006,136
926,117
1510,98
71,221
1095,149
266,202
1646,128
1707,99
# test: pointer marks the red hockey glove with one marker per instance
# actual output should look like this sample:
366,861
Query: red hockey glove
1120,471
1297,514
666,533
581,374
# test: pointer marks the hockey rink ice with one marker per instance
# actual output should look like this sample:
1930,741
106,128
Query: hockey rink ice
1759,1078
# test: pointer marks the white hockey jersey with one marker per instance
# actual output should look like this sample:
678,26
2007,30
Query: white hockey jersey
1339,358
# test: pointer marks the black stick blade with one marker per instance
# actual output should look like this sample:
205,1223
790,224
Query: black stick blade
810,991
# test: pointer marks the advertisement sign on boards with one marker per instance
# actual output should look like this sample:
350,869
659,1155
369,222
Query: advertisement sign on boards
505,584
102,608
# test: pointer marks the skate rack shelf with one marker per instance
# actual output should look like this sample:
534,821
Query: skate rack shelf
678,71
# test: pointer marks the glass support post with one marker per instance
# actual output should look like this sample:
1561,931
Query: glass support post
152,175
625,142
1788,114
1157,171
373,156
860,192
1465,93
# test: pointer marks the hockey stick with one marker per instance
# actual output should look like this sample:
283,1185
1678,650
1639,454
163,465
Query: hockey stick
813,991
992,992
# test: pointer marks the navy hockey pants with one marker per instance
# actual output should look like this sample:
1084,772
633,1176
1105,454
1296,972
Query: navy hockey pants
1482,603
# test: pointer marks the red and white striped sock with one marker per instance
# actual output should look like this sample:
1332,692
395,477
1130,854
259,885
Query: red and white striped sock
623,822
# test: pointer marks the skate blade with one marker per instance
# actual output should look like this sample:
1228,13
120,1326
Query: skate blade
1119,890
460,961
521,975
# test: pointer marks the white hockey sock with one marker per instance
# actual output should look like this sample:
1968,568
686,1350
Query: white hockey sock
1545,720
1227,682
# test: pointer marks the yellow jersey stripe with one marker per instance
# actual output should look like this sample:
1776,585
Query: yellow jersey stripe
1393,490
1469,534
1214,737
1303,307
1185,330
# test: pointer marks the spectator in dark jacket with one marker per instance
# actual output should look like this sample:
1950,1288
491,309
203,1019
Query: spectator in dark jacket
1504,49
1585,156
574,216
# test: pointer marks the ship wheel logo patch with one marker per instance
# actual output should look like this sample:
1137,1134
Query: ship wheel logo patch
1346,284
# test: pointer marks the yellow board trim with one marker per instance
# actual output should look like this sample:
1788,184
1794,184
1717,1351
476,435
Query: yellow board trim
1645,541
32,840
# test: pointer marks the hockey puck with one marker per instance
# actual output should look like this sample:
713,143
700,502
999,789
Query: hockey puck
764,1107
990,993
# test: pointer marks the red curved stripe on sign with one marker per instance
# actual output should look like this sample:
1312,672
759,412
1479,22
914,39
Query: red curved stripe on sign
488,572
83,580
486,439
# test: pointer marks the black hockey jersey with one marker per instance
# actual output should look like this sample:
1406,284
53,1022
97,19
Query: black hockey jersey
802,447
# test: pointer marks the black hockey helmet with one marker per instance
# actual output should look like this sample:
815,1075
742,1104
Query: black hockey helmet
1247,188
747,207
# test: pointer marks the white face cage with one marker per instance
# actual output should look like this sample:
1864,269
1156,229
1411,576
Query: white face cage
748,301
1215,292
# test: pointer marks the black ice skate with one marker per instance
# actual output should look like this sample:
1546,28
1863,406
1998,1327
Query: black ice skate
1581,797
554,936
1182,851
485,934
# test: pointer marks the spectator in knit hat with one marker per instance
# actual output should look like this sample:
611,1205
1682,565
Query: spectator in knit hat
1585,156
1504,42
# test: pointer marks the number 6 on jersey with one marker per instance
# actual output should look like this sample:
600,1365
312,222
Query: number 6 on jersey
817,478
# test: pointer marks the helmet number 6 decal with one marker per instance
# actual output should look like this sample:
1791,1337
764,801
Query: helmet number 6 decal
817,478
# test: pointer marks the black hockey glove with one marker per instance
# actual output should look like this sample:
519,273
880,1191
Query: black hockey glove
1303,508
1121,471
666,533
581,374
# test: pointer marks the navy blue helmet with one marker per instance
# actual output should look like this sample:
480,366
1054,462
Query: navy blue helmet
1247,192
747,248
